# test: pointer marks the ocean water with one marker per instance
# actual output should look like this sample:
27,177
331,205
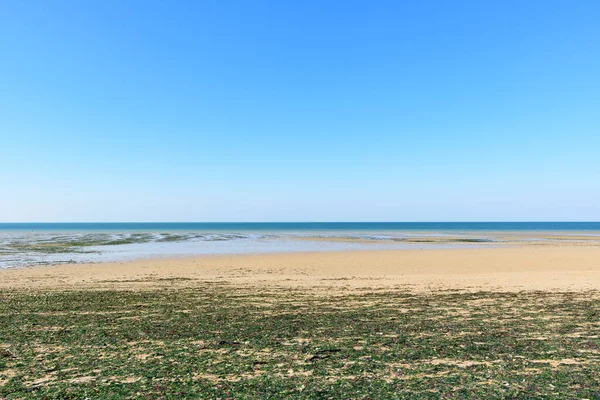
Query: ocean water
27,244
302,226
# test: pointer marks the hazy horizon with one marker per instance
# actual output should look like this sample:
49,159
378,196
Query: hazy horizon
290,222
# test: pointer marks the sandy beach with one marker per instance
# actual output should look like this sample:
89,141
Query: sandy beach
510,321
558,267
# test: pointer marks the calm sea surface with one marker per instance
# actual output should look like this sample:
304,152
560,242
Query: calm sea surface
304,226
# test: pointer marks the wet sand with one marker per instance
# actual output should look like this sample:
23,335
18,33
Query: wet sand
550,267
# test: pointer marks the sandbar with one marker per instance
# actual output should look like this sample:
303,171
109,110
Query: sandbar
508,268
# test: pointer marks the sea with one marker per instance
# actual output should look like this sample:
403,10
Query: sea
30,244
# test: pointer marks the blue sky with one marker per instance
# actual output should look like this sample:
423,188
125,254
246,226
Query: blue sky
299,111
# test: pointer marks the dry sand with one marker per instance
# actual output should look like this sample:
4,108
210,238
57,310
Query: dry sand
523,267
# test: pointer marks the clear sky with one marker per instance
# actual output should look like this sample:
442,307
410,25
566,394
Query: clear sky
317,110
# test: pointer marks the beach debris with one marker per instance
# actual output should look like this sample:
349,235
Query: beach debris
229,343
6,353
322,354
255,363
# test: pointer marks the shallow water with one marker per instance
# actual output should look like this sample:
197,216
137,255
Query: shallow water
18,248
38,243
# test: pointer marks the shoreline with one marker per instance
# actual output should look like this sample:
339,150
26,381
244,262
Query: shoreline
43,248
507,268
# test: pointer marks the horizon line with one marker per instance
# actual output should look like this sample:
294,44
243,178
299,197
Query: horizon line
292,222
